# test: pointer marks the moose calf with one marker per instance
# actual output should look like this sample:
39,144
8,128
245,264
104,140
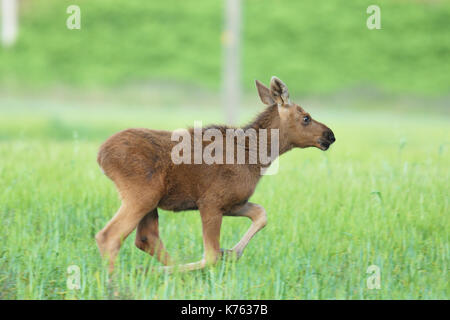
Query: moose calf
139,162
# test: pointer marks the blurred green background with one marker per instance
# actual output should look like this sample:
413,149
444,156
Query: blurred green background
319,47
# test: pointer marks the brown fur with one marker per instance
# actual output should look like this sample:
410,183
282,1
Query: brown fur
139,163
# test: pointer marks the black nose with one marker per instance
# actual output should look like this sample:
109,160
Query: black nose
329,135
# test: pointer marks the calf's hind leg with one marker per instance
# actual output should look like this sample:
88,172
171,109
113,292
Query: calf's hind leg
135,205
148,240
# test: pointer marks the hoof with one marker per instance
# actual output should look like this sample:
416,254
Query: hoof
228,254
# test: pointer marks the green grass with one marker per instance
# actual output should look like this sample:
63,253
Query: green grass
324,46
378,197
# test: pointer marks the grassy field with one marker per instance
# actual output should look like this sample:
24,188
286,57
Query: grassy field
378,197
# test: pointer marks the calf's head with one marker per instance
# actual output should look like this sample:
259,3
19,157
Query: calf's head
302,131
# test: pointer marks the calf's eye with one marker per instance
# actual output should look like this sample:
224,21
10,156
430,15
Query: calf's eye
306,119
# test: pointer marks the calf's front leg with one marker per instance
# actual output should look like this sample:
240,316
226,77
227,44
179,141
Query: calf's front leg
211,223
259,220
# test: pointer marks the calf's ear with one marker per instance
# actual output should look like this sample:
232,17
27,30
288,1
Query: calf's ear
264,93
279,91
